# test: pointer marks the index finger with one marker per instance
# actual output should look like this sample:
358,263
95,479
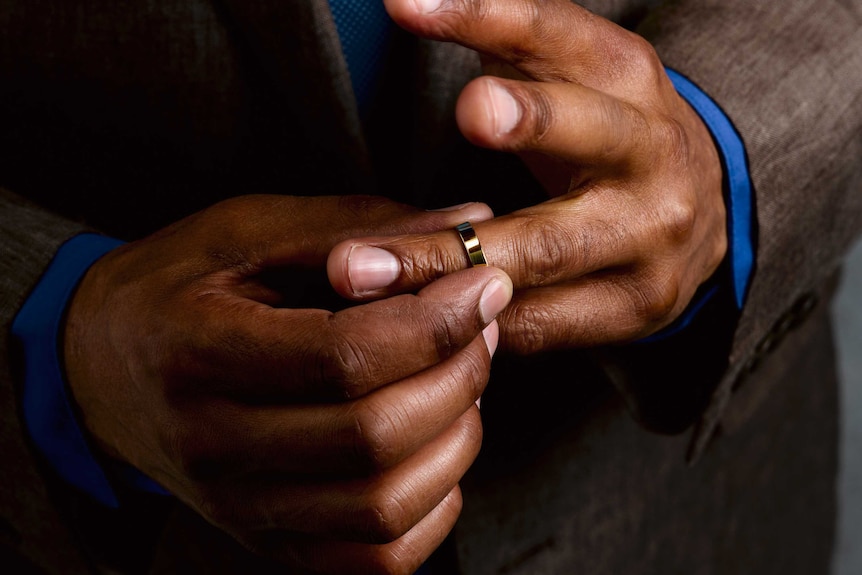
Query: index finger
550,40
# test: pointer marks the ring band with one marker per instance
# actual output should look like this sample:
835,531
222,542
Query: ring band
471,244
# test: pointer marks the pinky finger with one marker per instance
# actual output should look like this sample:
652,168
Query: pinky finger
600,309
404,556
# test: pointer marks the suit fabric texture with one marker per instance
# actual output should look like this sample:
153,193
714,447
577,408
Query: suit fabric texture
713,453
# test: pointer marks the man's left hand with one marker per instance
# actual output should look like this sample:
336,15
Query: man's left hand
635,219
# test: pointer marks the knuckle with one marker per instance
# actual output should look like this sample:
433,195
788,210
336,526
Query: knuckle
229,209
473,432
361,204
555,248
194,453
231,218
616,118
425,261
474,371
677,218
374,436
654,299
460,15
345,366
541,36
467,375
363,210
525,328
472,10
384,517
670,135
641,60
534,20
448,326
630,54
450,330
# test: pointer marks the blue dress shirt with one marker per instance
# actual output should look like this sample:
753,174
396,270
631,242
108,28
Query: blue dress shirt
738,201
49,414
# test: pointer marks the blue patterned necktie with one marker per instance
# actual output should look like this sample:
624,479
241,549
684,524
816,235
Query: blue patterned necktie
364,27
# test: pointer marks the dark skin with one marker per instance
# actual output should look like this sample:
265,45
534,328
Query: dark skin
334,440
635,221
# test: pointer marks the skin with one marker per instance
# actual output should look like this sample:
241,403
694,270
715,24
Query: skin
334,439
635,219
330,440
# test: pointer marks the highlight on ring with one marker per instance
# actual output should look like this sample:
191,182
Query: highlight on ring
471,244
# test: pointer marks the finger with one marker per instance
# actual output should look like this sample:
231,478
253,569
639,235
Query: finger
542,245
379,508
555,40
403,556
576,125
596,310
254,352
264,231
368,435
588,270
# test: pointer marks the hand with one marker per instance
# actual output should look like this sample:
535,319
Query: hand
636,219
331,441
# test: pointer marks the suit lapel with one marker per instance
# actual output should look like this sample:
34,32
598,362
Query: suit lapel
296,45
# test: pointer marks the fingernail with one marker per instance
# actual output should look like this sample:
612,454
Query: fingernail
452,208
494,299
506,110
370,268
492,336
427,6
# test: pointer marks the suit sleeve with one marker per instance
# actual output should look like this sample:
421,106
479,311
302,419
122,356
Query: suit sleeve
29,238
789,77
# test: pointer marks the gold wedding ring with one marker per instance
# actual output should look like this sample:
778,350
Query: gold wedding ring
471,244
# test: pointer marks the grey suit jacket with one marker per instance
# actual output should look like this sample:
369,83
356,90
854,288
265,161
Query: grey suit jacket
125,117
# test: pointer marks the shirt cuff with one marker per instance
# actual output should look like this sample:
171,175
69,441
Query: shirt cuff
49,416
739,201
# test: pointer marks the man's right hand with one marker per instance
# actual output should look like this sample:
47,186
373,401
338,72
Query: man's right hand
332,441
